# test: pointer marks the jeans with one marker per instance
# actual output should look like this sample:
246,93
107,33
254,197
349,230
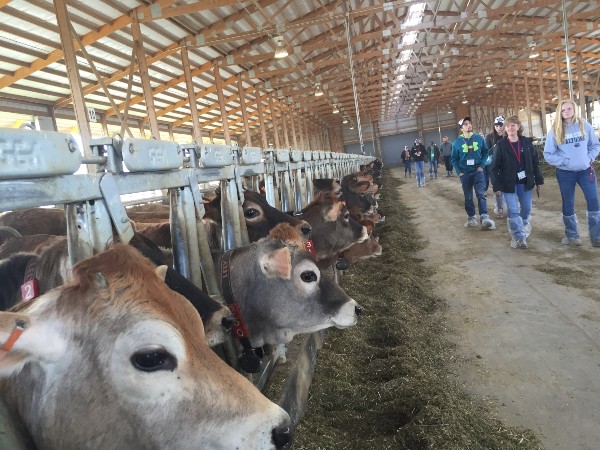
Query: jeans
476,180
448,163
488,173
517,218
407,167
433,165
567,179
420,170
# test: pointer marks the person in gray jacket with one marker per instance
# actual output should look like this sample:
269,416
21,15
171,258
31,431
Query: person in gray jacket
447,154
572,147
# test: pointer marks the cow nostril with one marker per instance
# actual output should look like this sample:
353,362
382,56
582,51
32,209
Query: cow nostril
358,310
282,436
306,229
226,322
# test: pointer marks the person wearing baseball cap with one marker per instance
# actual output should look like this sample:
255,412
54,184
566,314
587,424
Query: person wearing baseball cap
491,140
469,154
418,154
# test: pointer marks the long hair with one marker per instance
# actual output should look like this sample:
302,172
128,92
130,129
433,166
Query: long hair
514,119
559,126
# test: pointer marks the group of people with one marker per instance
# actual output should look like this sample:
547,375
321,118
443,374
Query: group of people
508,160
419,154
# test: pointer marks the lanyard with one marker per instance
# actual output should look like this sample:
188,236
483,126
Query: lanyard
518,151
470,147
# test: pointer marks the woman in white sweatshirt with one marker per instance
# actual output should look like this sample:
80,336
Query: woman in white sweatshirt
572,146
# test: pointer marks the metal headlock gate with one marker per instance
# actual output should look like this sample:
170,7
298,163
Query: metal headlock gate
38,169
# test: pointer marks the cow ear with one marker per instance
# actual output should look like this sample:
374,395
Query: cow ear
161,271
277,264
26,341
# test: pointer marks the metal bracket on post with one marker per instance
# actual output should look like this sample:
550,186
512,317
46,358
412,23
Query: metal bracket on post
113,204
178,235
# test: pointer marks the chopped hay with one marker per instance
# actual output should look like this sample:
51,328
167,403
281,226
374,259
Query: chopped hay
390,382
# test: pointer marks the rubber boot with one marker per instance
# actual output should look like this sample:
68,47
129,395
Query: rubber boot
515,227
571,231
594,227
527,226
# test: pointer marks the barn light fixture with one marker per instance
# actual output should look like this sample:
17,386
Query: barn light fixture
335,109
345,120
318,91
489,83
280,50
352,127
534,53
465,101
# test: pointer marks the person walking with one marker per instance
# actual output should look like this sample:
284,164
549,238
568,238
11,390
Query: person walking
515,172
406,160
572,146
468,159
491,140
434,158
418,154
447,153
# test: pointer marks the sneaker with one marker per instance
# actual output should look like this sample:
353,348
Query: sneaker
571,241
488,224
471,222
499,212
513,242
521,243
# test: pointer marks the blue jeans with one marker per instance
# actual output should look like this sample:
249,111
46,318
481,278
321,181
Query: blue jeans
420,170
476,180
567,179
407,167
433,165
517,218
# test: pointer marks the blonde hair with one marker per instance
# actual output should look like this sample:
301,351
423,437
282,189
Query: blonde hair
559,125
515,120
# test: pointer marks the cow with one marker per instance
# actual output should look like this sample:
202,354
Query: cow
281,292
333,230
327,185
114,359
36,221
366,249
7,233
50,269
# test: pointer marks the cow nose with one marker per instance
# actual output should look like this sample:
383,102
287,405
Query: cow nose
282,436
358,310
306,230
226,322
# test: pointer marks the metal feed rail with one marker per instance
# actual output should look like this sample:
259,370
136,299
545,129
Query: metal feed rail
38,169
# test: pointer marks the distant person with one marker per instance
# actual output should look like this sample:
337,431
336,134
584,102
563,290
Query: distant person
515,172
433,156
418,154
406,160
468,159
491,140
447,154
572,146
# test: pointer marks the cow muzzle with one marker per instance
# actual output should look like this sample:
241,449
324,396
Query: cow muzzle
281,437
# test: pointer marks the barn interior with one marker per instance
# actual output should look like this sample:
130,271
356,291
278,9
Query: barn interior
281,73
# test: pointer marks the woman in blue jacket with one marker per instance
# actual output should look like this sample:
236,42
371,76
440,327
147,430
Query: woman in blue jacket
572,146
515,172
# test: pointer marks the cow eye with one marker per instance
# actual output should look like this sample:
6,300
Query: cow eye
346,216
251,213
309,276
153,360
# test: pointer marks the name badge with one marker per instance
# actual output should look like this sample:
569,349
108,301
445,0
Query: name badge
521,174
470,162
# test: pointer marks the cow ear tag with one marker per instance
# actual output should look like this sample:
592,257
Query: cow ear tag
249,361
342,264
29,290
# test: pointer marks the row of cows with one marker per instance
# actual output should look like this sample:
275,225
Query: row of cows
126,333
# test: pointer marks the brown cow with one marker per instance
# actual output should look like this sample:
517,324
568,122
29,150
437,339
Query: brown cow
115,360
366,249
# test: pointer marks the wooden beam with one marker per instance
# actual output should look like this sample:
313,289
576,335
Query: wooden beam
219,85
242,95
196,130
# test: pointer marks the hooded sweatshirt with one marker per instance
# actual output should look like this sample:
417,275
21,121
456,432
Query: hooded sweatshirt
577,153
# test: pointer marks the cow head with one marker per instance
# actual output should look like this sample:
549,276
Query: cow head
333,228
115,359
282,292
260,217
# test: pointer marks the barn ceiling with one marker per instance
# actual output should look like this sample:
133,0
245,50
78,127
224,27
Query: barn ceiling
406,57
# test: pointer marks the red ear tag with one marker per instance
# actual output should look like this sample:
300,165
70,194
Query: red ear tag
29,290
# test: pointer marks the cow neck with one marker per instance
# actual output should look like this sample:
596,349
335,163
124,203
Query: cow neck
239,327
14,336
308,245
29,288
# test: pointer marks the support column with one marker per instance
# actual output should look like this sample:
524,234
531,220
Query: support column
580,82
196,130
143,69
558,80
526,80
292,112
242,96
274,122
261,119
219,86
542,99
286,139
62,18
